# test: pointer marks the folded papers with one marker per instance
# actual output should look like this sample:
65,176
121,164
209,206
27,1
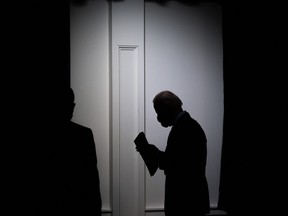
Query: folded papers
148,152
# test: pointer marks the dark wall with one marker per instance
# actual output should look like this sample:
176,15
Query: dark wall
35,56
36,53
252,171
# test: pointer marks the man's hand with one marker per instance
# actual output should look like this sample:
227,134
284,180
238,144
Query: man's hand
140,142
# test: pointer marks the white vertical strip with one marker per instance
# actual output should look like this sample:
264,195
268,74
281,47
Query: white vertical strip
128,180
127,46
128,110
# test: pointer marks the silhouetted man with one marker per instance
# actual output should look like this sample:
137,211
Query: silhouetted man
183,161
77,174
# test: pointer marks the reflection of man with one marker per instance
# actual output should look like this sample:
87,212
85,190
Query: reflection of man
184,159
79,190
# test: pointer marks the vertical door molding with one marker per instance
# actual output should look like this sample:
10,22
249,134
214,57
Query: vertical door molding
128,100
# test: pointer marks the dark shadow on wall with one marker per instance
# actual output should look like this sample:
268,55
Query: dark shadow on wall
160,2
185,2
80,2
255,108
84,2
35,36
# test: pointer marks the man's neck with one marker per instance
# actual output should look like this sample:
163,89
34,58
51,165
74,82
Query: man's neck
178,116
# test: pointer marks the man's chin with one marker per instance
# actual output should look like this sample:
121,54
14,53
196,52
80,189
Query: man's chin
165,125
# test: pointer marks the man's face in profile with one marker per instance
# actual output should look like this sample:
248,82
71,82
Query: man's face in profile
164,117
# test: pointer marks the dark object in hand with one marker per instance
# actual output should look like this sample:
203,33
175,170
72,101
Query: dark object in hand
141,141
148,152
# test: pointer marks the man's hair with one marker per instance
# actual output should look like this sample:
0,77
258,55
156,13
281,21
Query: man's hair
167,100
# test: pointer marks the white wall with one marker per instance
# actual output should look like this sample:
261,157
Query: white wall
183,53
90,80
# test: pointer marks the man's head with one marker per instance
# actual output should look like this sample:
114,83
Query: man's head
167,105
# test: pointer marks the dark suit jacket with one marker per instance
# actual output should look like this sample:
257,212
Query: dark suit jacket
184,164
78,178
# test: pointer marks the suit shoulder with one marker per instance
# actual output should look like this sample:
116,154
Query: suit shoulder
187,119
190,123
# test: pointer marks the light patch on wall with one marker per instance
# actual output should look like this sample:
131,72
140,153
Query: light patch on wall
184,55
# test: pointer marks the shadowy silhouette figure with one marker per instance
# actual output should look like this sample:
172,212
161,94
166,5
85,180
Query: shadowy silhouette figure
183,161
77,174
